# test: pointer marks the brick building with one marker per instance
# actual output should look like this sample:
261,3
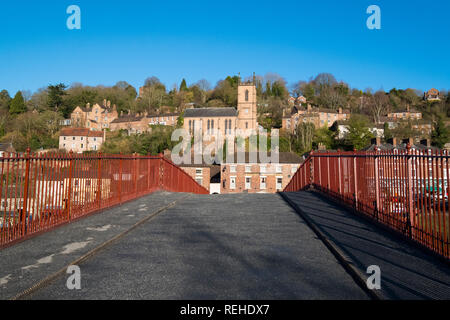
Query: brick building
141,122
79,140
97,118
257,176
317,116
408,114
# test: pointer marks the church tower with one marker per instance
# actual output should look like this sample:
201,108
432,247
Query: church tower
246,105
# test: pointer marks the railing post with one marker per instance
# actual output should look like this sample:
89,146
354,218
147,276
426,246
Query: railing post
409,186
69,196
99,182
328,173
25,193
136,159
120,178
161,171
339,172
148,171
377,187
311,173
355,180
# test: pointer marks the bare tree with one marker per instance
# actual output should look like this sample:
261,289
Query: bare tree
379,104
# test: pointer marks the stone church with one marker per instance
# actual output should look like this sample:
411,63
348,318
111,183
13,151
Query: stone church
226,120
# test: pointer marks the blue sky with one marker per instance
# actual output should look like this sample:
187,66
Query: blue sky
132,40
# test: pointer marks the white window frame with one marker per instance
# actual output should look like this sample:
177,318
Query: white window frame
262,186
232,185
197,171
233,169
262,169
248,169
279,169
248,185
279,186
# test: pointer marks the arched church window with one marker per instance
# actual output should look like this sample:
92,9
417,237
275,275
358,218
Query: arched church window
246,95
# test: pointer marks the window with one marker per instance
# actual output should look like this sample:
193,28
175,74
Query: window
248,169
199,171
246,125
226,126
233,169
199,180
209,126
81,138
262,169
279,183
248,183
64,138
232,183
229,126
246,95
190,125
279,169
294,169
212,124
73,138
262,183
81,146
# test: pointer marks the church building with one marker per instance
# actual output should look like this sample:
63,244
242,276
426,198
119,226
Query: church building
226,120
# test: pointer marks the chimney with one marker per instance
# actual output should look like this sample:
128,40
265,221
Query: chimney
409,140
426,142
393,141
167,153
376,141
88,105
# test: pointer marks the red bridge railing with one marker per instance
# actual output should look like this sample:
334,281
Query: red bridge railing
405,190
40,192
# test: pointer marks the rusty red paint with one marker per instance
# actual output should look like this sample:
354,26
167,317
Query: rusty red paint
405,190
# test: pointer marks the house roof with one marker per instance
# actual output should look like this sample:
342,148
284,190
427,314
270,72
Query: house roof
80,132
128,118
7,147
210,112
284,157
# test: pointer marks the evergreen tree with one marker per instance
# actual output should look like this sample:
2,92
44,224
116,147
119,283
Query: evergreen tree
183,86
17,105
55,98
440,135
5,100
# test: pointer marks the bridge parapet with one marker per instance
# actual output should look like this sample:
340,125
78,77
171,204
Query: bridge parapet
405,190
41,191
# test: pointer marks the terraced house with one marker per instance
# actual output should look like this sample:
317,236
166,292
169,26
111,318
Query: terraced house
142,122
79,140
254,175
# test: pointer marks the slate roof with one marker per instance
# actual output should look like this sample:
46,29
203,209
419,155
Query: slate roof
284,157
210,112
